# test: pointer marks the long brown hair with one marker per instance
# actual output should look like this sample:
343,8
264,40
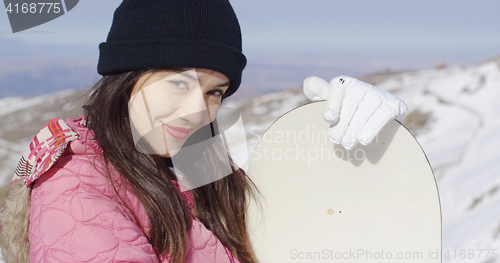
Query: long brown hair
220,205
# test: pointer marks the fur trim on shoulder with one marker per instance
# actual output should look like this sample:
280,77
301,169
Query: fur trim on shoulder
15,221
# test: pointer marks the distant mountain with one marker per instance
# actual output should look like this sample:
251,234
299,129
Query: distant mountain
35,76
453,113
38,76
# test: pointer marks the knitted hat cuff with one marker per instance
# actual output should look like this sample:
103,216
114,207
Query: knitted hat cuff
120,57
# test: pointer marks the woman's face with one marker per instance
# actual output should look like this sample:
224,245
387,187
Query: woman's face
166,107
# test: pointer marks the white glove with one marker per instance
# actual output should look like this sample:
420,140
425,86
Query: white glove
357,111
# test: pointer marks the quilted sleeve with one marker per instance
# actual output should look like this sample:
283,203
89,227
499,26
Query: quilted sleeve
75,217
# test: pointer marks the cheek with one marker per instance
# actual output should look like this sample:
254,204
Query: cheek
162,109
139,115
159,103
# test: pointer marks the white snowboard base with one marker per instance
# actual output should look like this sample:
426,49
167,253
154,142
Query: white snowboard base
320,202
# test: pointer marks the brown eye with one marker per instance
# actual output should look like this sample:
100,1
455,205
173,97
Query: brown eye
216,92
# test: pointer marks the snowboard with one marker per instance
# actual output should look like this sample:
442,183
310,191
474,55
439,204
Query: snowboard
317,201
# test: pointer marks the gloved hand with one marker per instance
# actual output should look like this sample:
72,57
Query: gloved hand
357,111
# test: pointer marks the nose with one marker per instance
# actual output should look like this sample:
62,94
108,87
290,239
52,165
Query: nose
193,109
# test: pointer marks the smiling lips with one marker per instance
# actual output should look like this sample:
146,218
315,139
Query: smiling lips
177,132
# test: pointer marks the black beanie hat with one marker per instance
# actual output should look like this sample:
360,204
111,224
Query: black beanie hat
149,34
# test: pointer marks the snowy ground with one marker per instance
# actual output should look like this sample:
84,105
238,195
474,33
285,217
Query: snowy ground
462,142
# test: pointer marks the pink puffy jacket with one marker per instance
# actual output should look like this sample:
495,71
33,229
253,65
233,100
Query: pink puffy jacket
77,216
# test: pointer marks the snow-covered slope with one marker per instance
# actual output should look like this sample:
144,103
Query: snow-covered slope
461,137
452,113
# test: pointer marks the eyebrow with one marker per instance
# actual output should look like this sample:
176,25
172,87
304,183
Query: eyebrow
224,84
195,78
186,74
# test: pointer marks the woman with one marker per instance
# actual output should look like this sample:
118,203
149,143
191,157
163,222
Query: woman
105,187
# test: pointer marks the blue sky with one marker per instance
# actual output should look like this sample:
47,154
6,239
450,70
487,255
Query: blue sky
353,37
